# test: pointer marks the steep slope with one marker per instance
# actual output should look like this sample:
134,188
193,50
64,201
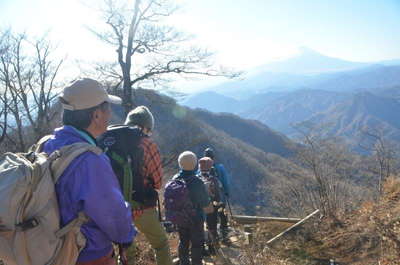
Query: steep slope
366,236
253,170
249,131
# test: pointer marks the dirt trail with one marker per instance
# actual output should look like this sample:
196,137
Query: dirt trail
228,255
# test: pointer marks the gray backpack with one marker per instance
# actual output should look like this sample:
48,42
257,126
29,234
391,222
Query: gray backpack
30,232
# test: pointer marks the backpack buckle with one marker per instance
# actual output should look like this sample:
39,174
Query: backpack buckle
28,224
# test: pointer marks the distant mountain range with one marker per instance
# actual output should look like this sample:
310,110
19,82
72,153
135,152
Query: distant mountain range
308,61
216,102
212,101
312,70
370,77
342,114
283,113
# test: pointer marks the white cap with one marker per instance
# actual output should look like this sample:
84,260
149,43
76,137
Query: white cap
187,161
86,93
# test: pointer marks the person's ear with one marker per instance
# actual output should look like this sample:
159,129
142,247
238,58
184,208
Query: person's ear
96,115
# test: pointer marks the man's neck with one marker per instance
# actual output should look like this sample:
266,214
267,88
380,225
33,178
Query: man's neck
92,139
92,133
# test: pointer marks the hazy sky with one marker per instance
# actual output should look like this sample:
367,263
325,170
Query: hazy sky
244,33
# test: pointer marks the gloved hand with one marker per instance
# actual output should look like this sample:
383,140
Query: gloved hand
122,253
125,245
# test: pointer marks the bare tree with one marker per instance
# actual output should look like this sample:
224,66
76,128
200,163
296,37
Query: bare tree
383,152
27,87
148,51
328,164
3,91
9,94
3,114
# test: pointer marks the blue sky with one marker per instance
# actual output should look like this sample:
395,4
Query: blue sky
359,30
244,33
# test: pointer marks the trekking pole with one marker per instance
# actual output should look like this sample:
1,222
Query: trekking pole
122,259
229,206
159,208
168,226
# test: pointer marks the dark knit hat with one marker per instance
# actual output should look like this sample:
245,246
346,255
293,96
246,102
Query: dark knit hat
209,152
187,161
140,116
205,164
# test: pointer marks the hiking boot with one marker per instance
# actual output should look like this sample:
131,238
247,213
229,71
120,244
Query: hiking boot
214,236
205,252
225,237
226,241
197,258
211,250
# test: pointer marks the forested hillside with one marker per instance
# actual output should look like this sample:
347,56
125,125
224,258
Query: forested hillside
361,113
252,168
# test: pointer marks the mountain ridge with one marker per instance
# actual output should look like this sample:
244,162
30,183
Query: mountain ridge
309,61
364,111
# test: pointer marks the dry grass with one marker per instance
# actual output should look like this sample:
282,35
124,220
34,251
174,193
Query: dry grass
285,251
370,235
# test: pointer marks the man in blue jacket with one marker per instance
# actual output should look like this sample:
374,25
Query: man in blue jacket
224,177
89,184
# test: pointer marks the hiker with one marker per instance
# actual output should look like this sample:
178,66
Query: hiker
185,197
89,183
214,189
132,144
219,170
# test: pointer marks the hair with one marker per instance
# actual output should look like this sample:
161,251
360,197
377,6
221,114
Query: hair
81,119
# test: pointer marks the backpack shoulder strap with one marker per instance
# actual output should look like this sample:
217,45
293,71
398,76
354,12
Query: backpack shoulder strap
38,147
176,176
77,222
214,171
61,159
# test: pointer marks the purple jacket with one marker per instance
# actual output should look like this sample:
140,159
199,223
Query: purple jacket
89,185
